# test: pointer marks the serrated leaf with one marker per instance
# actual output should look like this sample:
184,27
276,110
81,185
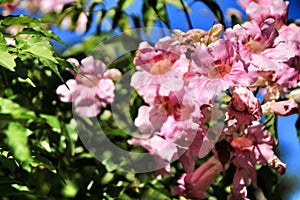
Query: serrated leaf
41,52
17,140
15,110
39,47
40,32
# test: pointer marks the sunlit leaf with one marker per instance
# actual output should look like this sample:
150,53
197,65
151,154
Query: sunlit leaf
15,110
7,60
16,20
17,140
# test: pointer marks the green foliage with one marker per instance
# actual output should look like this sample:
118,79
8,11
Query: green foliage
7,60
17,140
41,154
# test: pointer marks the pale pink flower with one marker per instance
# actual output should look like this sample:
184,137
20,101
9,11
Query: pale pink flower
244,3
80,24
257,141
252,41
241,178
275,9
295,95
160,69
196,37
91,89
284,108
157,145
216,70
47,6
256,147
243,106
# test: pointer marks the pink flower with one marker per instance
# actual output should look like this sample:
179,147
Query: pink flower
160,69
90,90
216,69
9,7
240,181
275,9
47,6
254,148
157,145
79,26
256,141
199,37
245,3
194,184
244,107
284,108
252,41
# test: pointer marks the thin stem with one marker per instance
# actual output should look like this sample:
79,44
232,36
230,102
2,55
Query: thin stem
187,15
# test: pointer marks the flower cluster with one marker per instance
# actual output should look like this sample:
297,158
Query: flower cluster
180,77
92,88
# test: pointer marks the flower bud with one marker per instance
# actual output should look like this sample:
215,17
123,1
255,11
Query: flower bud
295,94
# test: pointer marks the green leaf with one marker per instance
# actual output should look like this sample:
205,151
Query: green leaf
26,80
39,47
52,121
126,4
8,190
298,127
178,4
153,194
155,8
17,20
39,31
148,16
42,52
5,1
15,110
270,123
52,66
17,140
7,60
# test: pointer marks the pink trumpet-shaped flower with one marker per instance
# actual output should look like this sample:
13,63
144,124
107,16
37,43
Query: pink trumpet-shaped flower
91,89
244,107
194,184
216,70
160,69
284,108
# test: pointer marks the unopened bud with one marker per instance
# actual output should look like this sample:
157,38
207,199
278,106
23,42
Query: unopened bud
295,94
113,74
279,166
